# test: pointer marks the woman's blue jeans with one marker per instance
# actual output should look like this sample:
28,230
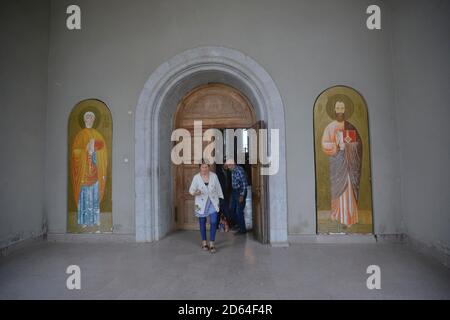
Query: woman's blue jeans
213,225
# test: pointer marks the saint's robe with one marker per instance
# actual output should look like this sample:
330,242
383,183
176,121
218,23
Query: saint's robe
89,175
345,170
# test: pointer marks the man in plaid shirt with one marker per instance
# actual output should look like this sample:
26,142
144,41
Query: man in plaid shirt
239,194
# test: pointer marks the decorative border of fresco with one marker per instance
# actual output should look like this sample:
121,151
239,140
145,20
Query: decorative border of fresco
85,218
356,117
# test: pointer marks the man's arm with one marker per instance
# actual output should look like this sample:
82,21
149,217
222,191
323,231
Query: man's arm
243,181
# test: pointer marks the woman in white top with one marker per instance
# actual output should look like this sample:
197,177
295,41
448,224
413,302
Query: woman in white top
206,188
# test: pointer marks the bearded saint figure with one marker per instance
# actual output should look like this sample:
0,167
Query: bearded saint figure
342,144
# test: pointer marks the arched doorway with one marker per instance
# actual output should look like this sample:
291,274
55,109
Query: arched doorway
158,101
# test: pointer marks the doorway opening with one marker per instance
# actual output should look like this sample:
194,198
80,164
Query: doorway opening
221,107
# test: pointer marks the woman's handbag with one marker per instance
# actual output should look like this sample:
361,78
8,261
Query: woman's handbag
223,223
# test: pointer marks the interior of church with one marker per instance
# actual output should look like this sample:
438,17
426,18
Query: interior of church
299,148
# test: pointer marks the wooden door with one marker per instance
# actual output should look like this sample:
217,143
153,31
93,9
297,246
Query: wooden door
217,106
259,197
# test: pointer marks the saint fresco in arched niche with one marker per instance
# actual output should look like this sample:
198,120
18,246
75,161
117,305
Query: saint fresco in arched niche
89,168
342,154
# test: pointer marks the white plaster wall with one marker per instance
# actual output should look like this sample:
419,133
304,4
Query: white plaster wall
24,27
422,81
306,47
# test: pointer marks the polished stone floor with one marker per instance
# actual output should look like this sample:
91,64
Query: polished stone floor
176,268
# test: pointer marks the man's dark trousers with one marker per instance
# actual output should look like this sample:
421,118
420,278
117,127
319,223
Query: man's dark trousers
237,209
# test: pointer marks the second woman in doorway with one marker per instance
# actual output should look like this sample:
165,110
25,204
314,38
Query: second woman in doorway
206,188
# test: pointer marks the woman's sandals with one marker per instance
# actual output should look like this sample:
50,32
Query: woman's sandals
211,249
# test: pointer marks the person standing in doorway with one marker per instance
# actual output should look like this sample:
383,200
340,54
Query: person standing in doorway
224,204
238,194
206,188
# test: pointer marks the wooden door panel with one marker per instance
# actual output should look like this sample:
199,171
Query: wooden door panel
259,183
255,201
188,172
189,209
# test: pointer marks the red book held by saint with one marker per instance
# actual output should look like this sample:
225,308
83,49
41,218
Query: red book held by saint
349,136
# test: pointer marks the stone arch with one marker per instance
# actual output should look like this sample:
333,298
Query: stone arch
153,125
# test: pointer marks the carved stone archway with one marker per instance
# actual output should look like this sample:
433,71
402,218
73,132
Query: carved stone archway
153,125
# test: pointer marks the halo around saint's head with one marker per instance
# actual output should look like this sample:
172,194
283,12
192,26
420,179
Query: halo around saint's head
92,109
331,102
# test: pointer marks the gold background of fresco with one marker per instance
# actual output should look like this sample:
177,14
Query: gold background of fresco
103,124
359,119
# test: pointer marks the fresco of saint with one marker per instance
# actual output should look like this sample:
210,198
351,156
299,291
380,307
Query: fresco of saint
342,144
88,165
